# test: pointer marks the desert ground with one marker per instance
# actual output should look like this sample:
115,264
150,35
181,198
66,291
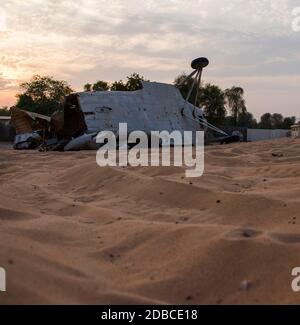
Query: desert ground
75,233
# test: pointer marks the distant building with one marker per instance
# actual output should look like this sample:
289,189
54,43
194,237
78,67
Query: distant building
295,130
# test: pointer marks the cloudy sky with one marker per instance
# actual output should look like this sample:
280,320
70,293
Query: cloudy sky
249,43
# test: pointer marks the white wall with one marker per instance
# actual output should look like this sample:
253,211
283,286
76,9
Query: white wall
295,131
261,134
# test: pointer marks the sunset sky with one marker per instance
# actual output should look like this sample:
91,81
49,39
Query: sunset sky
249,44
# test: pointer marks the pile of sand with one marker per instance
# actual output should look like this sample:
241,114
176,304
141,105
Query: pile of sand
72,232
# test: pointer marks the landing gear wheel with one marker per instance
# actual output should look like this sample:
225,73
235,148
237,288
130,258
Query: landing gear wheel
199,63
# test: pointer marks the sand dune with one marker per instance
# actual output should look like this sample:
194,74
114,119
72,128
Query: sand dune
72,232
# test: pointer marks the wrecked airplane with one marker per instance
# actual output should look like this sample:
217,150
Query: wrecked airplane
155,107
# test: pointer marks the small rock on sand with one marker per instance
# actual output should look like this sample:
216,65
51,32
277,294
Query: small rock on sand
245,285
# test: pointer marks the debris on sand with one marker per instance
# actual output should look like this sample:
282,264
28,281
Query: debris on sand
277,155
245,285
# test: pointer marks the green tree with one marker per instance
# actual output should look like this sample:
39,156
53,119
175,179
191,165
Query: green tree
118,86
4,111
87,87
228,121
43,95
134,82
277,121
212,99
288,122
266,121
235,102
185,87
100,86
247,120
